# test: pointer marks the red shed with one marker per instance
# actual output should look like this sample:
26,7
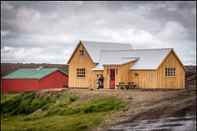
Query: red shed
34,79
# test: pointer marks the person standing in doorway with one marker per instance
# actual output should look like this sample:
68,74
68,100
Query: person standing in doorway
97,81
101,80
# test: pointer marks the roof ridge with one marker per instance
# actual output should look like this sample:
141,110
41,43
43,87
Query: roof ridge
154,49
136,49
116,50
130,57
104,42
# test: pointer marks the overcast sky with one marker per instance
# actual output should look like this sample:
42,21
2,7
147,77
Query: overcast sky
47,32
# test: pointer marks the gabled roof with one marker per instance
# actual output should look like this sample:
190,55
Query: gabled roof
145,58
105,53
30,73
94,48
149,58
108,57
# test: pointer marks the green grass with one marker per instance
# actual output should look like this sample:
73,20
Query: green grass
55,111
77,122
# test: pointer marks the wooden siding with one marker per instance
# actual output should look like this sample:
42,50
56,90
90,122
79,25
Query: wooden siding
157,78
19,85
171,82
106,77
123,73
80,61
144,78
54,80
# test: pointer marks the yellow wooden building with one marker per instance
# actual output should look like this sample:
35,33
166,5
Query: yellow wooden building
118,62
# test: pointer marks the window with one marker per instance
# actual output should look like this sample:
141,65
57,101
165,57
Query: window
170,71
80,72
81,51
136,74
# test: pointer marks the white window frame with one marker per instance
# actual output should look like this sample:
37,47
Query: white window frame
170,72
81,72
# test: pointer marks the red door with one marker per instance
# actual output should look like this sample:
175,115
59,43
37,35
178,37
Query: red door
112,78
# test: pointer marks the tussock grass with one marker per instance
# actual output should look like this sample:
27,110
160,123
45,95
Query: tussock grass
55,111
27,103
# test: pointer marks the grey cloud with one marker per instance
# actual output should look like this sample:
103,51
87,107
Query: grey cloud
46,28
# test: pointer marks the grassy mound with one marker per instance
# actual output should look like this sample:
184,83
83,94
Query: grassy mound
28,103
55,111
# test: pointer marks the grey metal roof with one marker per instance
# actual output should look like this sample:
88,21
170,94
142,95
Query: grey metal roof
119,53
113,57
94,48
149,58
145,58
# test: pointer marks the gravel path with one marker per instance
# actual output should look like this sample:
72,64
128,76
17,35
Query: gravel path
187,123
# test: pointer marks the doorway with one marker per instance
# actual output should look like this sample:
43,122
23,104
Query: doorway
112,78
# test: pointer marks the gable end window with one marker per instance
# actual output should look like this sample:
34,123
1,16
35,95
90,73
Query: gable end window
81,51
81,72
170,71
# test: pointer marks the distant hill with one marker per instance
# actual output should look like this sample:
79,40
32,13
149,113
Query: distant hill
6,68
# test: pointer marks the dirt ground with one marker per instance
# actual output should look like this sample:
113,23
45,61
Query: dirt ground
145,104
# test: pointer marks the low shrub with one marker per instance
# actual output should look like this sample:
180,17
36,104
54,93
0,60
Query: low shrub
98,105
27,103
38,103
73,98
103,105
